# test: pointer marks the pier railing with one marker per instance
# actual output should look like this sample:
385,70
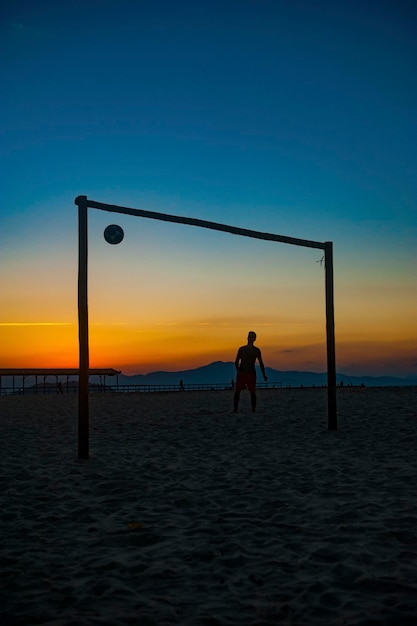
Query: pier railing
186,387
20,390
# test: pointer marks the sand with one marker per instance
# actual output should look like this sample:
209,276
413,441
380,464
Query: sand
189,514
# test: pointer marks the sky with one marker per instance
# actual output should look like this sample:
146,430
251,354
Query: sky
295,118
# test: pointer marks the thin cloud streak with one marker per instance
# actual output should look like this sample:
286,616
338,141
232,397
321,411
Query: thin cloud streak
36,323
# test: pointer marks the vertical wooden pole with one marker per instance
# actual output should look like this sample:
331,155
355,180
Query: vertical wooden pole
331,350
83,408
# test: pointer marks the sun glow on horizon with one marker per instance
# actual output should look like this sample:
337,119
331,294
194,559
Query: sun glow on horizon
180,346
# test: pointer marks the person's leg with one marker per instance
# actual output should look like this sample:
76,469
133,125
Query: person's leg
240,384
252,390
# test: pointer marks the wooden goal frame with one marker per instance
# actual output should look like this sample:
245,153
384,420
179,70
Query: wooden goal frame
84,204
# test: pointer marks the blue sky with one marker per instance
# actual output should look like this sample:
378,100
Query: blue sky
290,117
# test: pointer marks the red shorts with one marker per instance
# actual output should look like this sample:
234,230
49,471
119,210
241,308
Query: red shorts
244,381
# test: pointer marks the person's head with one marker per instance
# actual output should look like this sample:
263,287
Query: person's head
251,336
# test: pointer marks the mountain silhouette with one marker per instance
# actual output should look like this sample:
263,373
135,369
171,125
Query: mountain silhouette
223,372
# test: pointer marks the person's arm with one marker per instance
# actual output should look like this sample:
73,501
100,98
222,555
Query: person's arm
262,366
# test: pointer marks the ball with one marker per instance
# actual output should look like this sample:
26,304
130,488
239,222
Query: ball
113,234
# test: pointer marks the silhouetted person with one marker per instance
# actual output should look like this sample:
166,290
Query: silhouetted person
246,372
182,388
59,387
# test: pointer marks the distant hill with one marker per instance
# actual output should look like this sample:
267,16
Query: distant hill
223,372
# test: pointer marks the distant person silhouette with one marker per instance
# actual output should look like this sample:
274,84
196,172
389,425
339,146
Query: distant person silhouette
245,371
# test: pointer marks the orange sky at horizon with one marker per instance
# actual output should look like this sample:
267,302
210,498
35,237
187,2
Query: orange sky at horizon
177,347
173,298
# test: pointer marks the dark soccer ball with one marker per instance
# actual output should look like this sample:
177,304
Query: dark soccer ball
113,234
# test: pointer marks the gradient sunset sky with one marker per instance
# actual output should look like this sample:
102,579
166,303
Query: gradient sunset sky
291,117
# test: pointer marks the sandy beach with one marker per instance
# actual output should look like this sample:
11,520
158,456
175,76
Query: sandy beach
189,514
